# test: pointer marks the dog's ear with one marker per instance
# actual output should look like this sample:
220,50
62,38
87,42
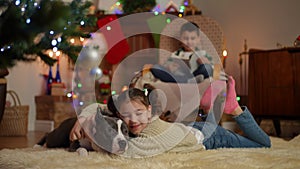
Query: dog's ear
111,105
104,110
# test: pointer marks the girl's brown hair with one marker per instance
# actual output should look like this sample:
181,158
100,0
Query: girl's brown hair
132,94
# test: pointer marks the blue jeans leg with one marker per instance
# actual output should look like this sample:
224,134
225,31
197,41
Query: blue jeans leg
218,137
251,129
165,75
205,69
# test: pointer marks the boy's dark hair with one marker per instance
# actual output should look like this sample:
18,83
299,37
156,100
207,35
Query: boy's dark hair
190,27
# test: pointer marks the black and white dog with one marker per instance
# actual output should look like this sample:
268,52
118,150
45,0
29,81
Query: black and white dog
103,133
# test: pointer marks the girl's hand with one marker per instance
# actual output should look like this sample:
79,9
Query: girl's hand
76,132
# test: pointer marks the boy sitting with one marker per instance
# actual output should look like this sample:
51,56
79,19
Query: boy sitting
198,64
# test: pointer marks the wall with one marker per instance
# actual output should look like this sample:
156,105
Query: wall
262,23
28,81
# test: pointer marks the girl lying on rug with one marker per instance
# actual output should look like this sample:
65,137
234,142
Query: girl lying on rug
152,136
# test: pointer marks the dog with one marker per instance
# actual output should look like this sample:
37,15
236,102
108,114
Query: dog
104,133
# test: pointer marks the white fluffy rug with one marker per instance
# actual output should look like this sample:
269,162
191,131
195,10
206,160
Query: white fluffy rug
283,154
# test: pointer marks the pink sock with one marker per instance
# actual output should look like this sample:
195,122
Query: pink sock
231,103
211,94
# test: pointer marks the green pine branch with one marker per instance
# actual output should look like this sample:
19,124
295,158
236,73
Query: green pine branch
28,27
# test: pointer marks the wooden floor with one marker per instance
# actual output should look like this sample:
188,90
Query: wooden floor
21,141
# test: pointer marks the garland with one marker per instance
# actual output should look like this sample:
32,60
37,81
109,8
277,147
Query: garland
28,28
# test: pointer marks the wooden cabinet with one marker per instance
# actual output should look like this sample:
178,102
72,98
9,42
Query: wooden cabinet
274,83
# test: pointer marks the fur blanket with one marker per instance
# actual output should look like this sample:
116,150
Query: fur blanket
283,154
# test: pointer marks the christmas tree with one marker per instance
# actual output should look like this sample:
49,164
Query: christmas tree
29,28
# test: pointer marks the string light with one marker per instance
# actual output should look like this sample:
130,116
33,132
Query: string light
50,54
168,20
72,40
157,8
55,49
18,2
53,42
28,21
75,96
57,53
108,28
116,8
26,9
69,95
4,48
181,9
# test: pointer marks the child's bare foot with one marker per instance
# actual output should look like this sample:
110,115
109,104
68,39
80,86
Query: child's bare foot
231,105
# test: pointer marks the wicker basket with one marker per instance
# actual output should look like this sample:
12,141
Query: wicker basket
15,118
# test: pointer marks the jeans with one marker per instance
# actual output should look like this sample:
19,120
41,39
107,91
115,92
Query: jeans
218,137
205,69
165,75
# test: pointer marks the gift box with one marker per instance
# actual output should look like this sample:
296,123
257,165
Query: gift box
58,89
